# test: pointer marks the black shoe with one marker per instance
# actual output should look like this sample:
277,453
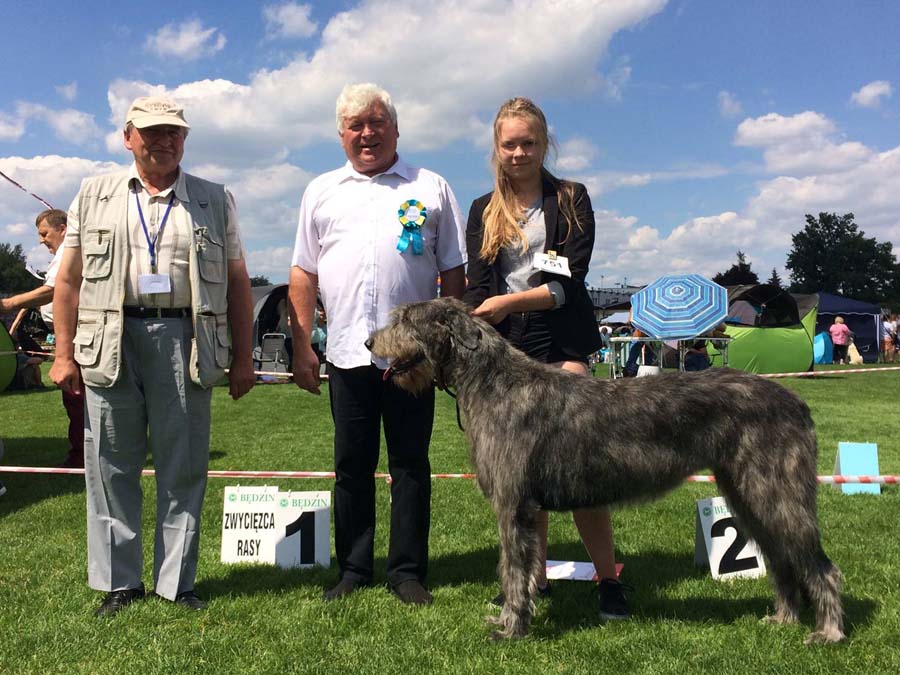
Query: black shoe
613,603
411,592
543,592
344,587
190,600
116,600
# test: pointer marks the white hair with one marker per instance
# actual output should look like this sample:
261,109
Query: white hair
355,99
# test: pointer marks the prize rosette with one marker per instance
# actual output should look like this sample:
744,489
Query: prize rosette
411,214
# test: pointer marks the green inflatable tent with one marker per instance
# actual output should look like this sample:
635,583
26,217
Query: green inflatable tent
7,358
771,330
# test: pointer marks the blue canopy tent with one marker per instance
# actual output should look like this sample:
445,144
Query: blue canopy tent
862,318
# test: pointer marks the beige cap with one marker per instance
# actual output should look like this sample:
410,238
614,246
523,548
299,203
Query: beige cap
150,111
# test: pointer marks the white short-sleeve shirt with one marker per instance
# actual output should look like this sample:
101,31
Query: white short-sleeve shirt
348,234
50,280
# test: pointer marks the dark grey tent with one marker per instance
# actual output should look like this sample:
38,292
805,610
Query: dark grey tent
266,312
862,318
267,318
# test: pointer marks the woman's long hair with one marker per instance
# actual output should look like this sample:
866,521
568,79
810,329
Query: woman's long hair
503,214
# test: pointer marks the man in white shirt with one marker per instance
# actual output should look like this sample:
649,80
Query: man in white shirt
372,235
51,229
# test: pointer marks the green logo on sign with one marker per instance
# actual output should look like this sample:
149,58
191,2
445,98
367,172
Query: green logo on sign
232,497
284,502
707,511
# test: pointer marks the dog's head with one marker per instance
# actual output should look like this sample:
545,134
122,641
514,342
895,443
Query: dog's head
422,341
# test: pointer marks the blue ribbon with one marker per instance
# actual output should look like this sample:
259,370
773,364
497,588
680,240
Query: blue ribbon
411,235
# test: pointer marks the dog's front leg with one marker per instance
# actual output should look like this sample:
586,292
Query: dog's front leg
518,560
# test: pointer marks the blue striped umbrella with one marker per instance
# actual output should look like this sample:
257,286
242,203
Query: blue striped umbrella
679,306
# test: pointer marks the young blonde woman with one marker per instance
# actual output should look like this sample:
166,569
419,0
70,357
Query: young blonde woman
529,244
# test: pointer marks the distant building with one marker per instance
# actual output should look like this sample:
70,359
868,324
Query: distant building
609,300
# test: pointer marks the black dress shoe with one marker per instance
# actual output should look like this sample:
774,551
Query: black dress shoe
411,592
344,587
190,600
116,600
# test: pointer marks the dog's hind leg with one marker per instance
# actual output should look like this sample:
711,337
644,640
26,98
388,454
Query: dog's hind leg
518,564
822,581
779,514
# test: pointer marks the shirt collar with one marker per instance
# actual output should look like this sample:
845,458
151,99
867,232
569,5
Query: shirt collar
179,186
399,167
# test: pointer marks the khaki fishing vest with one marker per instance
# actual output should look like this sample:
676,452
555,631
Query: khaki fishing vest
105,253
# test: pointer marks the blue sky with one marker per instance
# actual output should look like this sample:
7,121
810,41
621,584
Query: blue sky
700,127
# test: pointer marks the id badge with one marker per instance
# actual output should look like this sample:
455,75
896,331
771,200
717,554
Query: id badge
550,262
154,283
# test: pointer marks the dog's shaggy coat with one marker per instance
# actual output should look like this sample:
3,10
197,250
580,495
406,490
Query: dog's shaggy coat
542,438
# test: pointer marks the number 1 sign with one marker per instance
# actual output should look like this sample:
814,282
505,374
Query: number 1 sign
719,541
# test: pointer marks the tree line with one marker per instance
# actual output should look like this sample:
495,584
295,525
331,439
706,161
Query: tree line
833,255
829,254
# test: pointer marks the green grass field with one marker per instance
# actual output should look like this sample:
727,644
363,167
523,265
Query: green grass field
268,620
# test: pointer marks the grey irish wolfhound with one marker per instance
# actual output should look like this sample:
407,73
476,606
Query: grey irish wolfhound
542,438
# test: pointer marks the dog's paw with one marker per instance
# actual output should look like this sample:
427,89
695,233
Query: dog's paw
780,619
493,620
507,634
825,637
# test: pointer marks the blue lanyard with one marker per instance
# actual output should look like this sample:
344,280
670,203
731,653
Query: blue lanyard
151,243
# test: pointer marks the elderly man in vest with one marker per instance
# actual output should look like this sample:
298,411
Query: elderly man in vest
152,279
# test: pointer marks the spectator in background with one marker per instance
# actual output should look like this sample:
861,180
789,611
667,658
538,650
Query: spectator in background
888,337
840,338
51,229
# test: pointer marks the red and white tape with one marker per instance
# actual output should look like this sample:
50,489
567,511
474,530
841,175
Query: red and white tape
828,480
24,189
816,373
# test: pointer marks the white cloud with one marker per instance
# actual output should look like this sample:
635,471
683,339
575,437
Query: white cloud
293,106
870,95
576,154
800,144
12,128
290,20
17,229
188,41
67,91
56,179
614,82
826,176
69,124
729,105
608,181
273,262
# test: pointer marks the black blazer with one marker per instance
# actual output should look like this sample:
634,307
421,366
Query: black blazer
572,326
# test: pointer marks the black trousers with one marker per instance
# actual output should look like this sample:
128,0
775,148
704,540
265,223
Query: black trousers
360,400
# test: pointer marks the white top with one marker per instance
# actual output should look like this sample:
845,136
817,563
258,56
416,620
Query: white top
50,280
173,248
347,235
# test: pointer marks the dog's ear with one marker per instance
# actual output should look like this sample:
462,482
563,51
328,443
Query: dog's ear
463,328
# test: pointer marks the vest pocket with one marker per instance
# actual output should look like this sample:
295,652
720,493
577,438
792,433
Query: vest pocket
210,256
211,348
87,341
96,256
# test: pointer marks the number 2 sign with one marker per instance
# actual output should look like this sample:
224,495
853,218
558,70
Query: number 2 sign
719,541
